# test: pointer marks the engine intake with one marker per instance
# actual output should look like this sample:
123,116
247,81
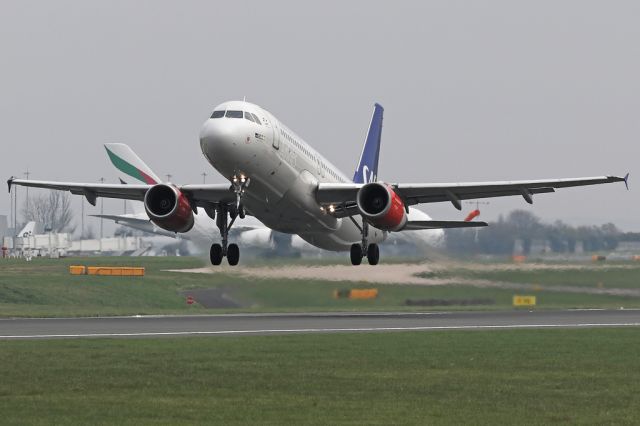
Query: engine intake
382,207
169,208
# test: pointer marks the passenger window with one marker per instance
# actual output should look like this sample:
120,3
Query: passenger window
248,116
255,118
233,114
217,114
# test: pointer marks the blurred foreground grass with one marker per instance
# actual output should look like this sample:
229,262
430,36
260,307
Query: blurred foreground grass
587,376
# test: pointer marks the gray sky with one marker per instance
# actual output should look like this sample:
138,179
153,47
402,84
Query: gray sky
472,90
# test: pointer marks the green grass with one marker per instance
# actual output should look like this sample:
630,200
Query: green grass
602,276
587,376
45,288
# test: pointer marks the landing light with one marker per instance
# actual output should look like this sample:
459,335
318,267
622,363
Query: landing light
332,209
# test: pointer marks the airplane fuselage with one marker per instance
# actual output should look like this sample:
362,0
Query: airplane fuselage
284,172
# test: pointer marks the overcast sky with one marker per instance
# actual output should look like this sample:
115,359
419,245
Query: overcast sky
491,90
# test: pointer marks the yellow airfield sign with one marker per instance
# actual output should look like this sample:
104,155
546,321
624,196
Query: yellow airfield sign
524,300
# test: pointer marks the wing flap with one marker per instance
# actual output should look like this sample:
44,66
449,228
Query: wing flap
206,194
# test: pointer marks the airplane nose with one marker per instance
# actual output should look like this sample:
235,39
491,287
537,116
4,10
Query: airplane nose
217,139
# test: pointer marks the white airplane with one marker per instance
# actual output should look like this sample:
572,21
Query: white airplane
28,230
277,177
132,169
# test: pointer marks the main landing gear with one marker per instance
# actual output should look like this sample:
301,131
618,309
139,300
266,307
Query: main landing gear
223,213
358,251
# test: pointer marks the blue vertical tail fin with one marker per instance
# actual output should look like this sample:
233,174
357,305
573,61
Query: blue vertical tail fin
367,170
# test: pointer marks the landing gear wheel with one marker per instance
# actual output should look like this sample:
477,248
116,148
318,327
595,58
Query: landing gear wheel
215,254
233,254
373,254
356,254
241,212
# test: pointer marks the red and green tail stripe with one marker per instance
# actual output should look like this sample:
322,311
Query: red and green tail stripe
130,169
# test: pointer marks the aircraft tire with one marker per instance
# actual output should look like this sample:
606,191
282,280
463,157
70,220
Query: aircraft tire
215,254
233,254
373,254
356,254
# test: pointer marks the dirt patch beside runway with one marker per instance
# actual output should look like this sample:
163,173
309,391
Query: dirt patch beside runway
382,274
407,273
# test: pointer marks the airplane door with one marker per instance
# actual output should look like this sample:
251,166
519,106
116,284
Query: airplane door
276,135
275,132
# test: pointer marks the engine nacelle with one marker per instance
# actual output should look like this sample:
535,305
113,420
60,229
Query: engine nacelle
168,208
382,207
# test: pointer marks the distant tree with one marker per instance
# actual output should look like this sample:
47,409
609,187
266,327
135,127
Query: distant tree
89,233
499,237
123,231
51,210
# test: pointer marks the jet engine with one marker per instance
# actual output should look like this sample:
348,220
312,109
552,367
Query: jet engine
168,208
382,207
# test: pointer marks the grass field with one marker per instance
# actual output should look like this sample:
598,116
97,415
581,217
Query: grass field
587,376
45,288
609,275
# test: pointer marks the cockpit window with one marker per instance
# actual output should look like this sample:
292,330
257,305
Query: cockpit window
255,118
233,114
247,115
217,114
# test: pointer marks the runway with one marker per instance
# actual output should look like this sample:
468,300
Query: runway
265,324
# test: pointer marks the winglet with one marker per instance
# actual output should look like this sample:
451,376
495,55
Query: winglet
626,181
10,182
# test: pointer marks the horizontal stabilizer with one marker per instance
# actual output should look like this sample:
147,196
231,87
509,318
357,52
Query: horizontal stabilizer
415,225
122,218
139,223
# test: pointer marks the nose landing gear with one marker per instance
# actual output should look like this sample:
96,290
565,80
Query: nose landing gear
223,213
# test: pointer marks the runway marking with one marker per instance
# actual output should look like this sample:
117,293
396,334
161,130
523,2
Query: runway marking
320,330
310,314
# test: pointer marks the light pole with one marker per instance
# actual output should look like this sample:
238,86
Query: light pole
82,217
101,212
15,209
11,209
26,174
204,177
81,221
169,177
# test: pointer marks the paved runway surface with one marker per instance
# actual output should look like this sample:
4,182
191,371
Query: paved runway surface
238,324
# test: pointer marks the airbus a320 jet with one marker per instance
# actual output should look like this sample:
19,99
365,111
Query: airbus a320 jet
290,187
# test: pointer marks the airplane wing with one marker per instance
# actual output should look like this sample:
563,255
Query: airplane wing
342,196
201,195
